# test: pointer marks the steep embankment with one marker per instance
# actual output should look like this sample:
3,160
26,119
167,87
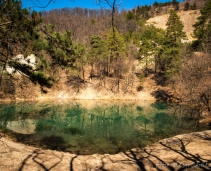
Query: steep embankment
106,89
188,18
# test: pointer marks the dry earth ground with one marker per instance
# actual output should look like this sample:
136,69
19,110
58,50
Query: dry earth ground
188,18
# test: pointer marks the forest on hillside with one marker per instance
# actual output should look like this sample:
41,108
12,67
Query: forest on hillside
108,41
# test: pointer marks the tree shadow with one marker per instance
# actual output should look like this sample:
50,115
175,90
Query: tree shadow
37,158
71,162
75,82
195,159
146,160
205,136
150,157
162,95
160,79
132,155
182,156
148,71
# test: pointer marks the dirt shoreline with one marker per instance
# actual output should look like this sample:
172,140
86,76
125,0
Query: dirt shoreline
182,152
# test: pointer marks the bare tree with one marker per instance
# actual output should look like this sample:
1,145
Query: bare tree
193,84
113,4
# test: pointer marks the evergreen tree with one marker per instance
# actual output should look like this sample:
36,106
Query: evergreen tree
19,35
176,7
60,48
193,7
203,29
187,6
170,54
130,15
155,4
151,40
81,58
116,47
98,55
115,43
175,4
174,31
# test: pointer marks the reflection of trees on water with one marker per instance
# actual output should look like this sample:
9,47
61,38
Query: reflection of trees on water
187,117
162,124
110,128
54,142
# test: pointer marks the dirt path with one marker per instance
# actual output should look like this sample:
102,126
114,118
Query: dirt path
182,152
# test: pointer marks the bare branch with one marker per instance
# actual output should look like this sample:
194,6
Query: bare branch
41,5
2,24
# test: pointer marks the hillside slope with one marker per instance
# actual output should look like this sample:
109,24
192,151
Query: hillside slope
188,18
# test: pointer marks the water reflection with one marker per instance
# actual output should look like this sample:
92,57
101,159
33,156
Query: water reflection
26,126
87,127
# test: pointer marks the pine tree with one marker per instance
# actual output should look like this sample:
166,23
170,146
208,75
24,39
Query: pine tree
81,58
155,4
130,15
174,31
115,43
174,2
176,7
203,29
151,39
98,55
98,48
19,35
193,7
187,6
60,48
116,47
170,55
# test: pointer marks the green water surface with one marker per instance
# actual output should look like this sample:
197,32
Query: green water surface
88,127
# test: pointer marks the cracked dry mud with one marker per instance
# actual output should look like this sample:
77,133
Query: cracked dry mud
182,152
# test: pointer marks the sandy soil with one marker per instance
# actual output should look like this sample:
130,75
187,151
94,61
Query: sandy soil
92,91
182,152
187,17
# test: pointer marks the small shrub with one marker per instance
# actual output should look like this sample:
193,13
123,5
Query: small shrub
140,88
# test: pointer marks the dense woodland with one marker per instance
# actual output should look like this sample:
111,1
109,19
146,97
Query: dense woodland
109,40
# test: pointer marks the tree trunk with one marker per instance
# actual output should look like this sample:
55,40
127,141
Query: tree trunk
82,68
2,72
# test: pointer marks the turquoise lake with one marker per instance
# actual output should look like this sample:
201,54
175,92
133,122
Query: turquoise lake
88,126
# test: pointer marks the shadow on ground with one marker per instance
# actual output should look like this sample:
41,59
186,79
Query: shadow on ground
183,152
162,95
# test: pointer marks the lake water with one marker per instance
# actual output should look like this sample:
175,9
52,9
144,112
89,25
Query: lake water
88,127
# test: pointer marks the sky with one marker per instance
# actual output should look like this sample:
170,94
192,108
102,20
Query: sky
126,4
